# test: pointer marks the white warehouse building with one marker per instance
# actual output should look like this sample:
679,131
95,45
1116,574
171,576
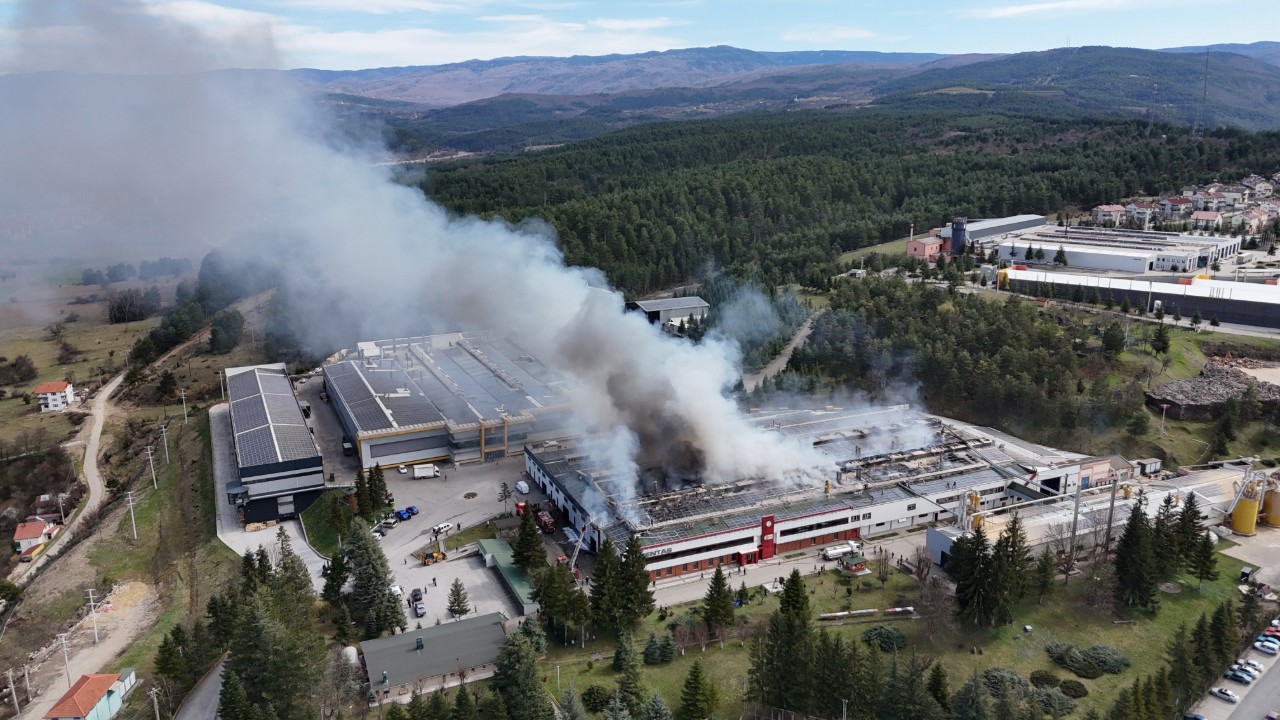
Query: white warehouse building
1120,259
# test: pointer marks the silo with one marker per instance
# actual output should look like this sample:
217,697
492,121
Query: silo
1244,516
959,235
1271,507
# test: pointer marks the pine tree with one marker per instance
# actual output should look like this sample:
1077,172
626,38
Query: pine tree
364,498
1204,565
975,594
571,706
652,650
493,707
697,697
464,706
1160,342
248,573
1162,702
1164,534
717,604
459,603
1135,562
668,648
1122,707
1018,557
290,584
970,702
371,582
1203,654
1182,671
624,652
529,552
1222,630
1188,530
634,584
656,709
336,579
905,696
233,703
170,662
531,629
516,679
938,686
617,710
438,706
606,591
396,712
1060,257
1045,573
377,488
631,689
1249,613
344,631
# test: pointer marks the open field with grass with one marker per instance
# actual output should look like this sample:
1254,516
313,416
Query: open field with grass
1064,617
893,247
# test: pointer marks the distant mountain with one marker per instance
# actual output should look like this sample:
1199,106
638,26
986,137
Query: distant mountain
1243,91
456,83
1266,51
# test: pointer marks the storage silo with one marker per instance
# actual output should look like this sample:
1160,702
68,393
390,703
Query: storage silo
1271,507
1244,516
959,235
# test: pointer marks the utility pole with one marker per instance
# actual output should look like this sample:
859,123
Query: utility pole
182,393
222,384
128,497
154,692
62,514
164,435
93,613
26,679
13,691
66,661
152,462
1111,513
1163,408
1075,518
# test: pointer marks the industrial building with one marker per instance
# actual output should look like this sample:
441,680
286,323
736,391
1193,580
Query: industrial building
1130,251
427,659
279,471
670,312
888,469
964,232
457,397
1241,303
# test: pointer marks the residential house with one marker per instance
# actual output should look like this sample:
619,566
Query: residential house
93,697
1236,195
1270,207
1175,208
1211,201
1252,221
1259,185
55,396
1140,214
1112,214
926,249
32,534
1206,220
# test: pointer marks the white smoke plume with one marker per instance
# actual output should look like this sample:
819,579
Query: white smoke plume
135,144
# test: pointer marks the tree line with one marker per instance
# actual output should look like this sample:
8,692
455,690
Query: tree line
782,195
146,270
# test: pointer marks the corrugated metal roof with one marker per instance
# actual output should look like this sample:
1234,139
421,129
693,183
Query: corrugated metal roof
680,303
466,643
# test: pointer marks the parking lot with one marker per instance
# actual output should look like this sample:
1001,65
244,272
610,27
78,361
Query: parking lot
1256,699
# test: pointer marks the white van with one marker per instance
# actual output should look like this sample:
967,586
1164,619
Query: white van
522,487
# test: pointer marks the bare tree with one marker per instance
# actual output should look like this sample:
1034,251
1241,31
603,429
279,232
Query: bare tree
883,569
935,605
1099,585
922,563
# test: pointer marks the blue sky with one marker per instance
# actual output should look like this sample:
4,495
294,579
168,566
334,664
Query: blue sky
343,34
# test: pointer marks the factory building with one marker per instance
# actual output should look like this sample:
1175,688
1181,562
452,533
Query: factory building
457,397
670,312
1230,302
889,469
1130,251
964,232
279,471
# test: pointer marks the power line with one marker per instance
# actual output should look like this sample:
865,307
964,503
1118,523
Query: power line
93,613
66,661
164,434
182,393
152,462
128,497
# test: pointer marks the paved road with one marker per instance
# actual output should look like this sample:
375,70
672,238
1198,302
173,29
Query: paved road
202,702
750,381
101,406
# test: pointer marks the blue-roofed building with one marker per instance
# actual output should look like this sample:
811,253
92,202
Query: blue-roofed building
279,470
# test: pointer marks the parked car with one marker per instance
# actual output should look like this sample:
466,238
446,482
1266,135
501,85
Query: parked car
1194,716
397,591
1269,640
522,487
413,509
419,610
1224,694
403,470
403,515
443,527
389,523
1241,668
1237,676
1273,715
416,595
1266,648
1253,664
377,535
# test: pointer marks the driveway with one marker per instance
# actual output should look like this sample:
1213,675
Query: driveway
328,432
229,530
202,702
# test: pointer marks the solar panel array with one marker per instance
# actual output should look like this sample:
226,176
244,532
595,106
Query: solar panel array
266,419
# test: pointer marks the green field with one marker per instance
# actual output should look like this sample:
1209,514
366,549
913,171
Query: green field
893,247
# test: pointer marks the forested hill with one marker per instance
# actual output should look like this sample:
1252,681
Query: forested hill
782,195
1242,91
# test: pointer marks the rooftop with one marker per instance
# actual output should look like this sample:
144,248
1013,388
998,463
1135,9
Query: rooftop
453,380
679,303
78,701
29,530
1224,289
265,417
467,643
52,387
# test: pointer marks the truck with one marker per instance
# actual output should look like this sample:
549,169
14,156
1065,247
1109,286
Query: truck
347,448
428,470
839,551
545,522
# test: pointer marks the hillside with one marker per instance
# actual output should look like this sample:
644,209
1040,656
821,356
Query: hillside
455,83
1268,52
1242,91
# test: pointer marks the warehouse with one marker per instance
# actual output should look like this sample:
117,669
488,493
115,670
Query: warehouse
963,232
428,659
889,469
1130,251
670,311
279,471
1229,302
457,397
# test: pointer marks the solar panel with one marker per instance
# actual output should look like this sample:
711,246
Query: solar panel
294,442
283,409
242,385
256,447
248,413
368,415
272,383
257,411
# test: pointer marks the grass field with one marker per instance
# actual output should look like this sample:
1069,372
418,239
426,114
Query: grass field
1063,617
893,247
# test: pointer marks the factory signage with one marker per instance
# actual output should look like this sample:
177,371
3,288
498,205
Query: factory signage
659,552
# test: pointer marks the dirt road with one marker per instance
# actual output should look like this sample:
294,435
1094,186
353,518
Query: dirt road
751,381
101,408
126,613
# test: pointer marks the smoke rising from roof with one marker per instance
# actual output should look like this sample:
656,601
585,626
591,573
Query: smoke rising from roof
206,159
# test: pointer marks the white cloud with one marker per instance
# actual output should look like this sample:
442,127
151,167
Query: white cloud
634,24
1007,11
832,34
383,7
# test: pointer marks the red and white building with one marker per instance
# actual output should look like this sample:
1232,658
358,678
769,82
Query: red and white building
1104,214
1141,214
32,534
1209,200
55,396
926,249
1173,208
1206,220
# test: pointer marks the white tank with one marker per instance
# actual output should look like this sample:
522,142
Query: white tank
351,655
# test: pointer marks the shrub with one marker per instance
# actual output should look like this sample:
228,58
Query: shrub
884,637
1054,702
1090,662
1001,682
1044,679
1073,689
596,698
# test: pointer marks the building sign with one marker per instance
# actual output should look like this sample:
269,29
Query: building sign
658,552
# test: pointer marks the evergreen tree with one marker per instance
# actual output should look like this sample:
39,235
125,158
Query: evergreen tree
371,582
607,603
396,712
1060,258
652,650
624,652
975,584
697,697
938,686
1122,707
1204,565
717,604
1203,654
1223,631
233,704
170,659
459,603
464,706
1160,342
1018,558
336,579
1183,675
1135,562
1249,613
344,628
438,707
248,573
516,679
364,498
537,638
634,583
616,710
290,584
631,691
656,709
528,551
1188,529
1164,534
1161,704
377,488
571,706
668,648
905,695
493,707
970,702
1045,573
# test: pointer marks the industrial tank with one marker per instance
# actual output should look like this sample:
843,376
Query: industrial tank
1244,516
1271,507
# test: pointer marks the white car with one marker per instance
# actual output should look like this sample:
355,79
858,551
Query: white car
1224,694
419,610
442,528
377,535
1253,664
1245,670
397,591
522,487
1265,648
402,469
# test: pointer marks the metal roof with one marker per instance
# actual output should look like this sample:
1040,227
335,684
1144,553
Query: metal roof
680,303
467,643
265,417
